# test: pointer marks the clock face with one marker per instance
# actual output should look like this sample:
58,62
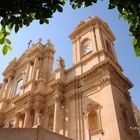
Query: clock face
87,49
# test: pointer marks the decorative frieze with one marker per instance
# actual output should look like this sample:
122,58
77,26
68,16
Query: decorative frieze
104,82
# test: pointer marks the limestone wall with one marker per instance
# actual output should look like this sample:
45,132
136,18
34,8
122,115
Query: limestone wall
29,134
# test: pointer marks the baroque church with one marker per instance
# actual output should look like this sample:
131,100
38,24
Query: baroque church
89,101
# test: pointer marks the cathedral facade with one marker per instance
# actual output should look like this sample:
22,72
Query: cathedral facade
89,101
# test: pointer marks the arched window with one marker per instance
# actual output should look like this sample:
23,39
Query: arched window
18,86
93,121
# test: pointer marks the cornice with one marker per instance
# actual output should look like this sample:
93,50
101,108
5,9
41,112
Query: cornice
37,50
84,92
90,57
82,25
11,66
10,110
19,97
103,26
94,21
104,64
57,83
84,60
88,73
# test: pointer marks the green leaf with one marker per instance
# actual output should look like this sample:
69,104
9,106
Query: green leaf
111,6
2,40
7,33
9,48
41,21
16,28
120,16
137,51
60,9
4,50
46,21
134,42
8,41
10,26
1,34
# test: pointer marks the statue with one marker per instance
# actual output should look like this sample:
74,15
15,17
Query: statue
60,62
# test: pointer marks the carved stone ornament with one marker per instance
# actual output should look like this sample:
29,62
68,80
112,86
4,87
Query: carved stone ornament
60,62
104,82
39,40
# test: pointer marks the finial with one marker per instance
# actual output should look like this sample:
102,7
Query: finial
40,40
33,44
48,41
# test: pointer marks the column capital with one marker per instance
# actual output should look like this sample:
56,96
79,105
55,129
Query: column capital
28,109
18,115
38,107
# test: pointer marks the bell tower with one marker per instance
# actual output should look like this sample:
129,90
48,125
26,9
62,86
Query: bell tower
106,102
92,42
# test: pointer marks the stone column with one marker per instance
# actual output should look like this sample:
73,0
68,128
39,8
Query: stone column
11,87
28,118
86,126
38,116
17,116
2,89
4,98
58,114
7,87
73,119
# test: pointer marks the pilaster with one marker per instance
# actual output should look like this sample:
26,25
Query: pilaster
17,118
59,110
28,121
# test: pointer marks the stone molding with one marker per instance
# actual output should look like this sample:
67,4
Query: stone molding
104,82
106,64
19,97
96,22
4,100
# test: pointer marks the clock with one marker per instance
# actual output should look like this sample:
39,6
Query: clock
86,49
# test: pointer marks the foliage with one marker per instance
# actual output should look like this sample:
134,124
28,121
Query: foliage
14,14
130,11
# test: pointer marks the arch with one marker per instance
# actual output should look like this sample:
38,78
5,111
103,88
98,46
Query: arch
93,121
93,117
85,40
18,86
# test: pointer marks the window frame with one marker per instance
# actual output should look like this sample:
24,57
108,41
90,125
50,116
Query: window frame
19,84
84,44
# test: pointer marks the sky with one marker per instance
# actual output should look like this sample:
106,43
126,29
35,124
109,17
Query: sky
60,27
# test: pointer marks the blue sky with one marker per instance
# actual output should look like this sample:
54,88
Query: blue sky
58,30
